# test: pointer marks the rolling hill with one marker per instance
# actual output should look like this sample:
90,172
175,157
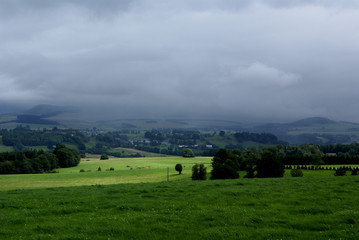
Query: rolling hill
314,130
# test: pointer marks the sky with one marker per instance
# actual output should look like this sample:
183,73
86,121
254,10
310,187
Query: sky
248,60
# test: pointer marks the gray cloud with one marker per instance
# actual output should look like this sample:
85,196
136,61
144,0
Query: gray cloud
263,60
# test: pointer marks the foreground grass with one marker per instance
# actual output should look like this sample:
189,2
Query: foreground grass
312,207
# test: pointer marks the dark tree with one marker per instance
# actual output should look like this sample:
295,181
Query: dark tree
199,172
269,166
178,168
104,157
202,172
224,165
66,157
195,172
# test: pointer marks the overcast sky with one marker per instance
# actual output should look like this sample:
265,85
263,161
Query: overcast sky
261,60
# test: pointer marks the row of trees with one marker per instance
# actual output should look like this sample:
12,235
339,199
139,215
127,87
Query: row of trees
270,162
38,161
227,163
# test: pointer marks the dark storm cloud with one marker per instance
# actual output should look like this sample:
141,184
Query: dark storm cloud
270,60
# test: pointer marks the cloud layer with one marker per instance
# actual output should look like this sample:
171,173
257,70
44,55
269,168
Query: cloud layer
240,60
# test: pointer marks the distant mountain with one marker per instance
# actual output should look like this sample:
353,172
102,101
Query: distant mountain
46,110
315,130
311,121
39,114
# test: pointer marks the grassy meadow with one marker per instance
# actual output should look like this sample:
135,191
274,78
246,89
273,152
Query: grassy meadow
141,204
127,170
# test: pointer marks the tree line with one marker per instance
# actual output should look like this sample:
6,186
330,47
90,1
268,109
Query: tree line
38,161
20,138
271,161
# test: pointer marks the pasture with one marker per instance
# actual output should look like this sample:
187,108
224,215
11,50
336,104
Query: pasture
127,170
141,204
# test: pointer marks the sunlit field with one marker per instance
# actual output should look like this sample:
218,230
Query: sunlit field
126,170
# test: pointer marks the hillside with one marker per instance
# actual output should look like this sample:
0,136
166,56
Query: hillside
314,130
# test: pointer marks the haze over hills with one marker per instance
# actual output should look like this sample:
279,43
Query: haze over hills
316,130
47,110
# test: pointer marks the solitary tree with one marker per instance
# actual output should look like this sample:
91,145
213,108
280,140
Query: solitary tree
187,153
104,157
178,168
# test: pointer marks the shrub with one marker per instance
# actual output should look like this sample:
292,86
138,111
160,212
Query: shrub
223,171
354,172
250,171
195,172
112,169
99,169
178,168
199,172
340,172
296,173
104,157
202,172
82,170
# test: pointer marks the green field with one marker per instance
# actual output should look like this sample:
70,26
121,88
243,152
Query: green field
127,170
141,204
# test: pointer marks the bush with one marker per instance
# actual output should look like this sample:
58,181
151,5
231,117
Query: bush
250,171
112,169
104,157
354,172
202,172
340,172
178,168
195,172
296,173
99,169
223,171
199,172
82,170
